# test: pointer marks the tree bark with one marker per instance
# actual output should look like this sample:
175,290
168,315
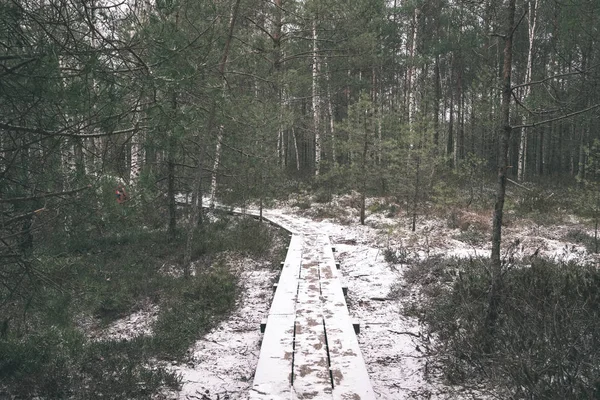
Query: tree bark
412,70
330,115
171,189
172,206
436,104
137,158
450,139
296,152
504,140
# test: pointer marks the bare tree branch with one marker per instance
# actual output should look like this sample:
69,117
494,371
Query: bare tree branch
578,72
44,195
547,121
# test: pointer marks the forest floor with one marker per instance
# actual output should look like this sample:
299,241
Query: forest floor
373,259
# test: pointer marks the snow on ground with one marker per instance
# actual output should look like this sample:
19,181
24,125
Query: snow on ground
222,364
136,324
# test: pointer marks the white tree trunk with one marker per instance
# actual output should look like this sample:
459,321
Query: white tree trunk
315,98
532,22
412,71
296,149
330,116
137,158
280,148
380,133
213,178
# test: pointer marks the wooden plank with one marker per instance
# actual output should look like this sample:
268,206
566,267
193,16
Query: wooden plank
284,301
328,257
309,348
311,379
273,376
272,379
348,369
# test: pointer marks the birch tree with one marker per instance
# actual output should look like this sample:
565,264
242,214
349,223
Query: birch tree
532,22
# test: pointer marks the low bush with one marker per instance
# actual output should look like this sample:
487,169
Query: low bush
399,255
581,237
466,220
546,343
192,308
57,363
471,237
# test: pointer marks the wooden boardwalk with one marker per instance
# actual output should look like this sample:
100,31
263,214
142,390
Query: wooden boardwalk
309,348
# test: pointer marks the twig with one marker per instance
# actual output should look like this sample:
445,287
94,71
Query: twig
519,185
418,335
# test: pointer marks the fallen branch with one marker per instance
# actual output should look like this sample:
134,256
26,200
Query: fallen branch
418,335
519,185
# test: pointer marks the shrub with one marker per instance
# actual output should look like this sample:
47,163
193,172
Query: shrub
583,238
192,309
60,363
547,339
323,196
400,255
471,237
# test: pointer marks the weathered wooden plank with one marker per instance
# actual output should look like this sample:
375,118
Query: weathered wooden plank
328,257
284,301
272,379
309,348
273,376
311,379
348,370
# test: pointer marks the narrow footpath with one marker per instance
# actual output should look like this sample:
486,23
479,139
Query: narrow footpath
309,349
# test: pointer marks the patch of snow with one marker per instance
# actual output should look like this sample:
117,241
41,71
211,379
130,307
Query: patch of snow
136,324
222,364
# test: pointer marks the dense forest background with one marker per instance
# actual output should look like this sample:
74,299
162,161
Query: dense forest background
246,101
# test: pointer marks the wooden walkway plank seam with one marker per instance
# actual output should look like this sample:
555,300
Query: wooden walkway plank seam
283,345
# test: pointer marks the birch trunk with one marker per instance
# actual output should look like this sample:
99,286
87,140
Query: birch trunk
330,116
315,97
276,35
213,178
137,158
532,22
436,105
172,205
412,70
296,150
